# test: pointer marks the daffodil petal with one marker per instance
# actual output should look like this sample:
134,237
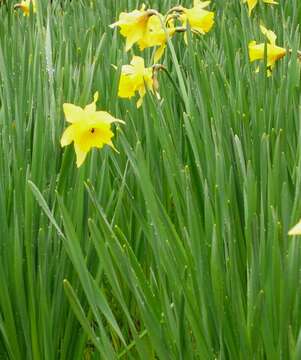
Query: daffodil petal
269,34
139,102
68,136
92,107
270,2
105,117
159,53
132,38
251,5
73,113
296,230
201,4
113,147
80,155
138,64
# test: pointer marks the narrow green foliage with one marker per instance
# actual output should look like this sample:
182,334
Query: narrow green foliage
176,247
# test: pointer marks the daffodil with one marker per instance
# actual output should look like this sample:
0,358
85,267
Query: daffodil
89,129
296,230
253,3
133,25
25,6
156,35
273,52
135,78
200,20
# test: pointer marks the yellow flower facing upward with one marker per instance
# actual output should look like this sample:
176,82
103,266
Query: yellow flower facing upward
200,20
156,35
133,25
273,52
25,6
253,3
89,128
135,78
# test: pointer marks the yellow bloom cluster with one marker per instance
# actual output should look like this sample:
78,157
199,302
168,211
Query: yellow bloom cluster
149,28
146,28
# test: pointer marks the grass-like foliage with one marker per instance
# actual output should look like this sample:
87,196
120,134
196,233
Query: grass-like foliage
176,247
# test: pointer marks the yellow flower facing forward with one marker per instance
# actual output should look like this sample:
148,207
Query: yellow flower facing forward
200,20
156,35
273,52
252,3
133,25
296,230
25,6
89,128
135,78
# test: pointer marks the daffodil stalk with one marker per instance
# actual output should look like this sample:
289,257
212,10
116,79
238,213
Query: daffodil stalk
160,67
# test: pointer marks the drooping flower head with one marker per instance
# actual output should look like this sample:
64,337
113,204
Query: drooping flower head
200,20
25,6
89,128
253,3
135,78
133,25
273,52
156,34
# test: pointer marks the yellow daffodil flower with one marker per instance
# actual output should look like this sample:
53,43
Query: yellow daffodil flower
133,25
274,53
296,230
156,35
200,20
135,78
25,6
253,3
89,128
